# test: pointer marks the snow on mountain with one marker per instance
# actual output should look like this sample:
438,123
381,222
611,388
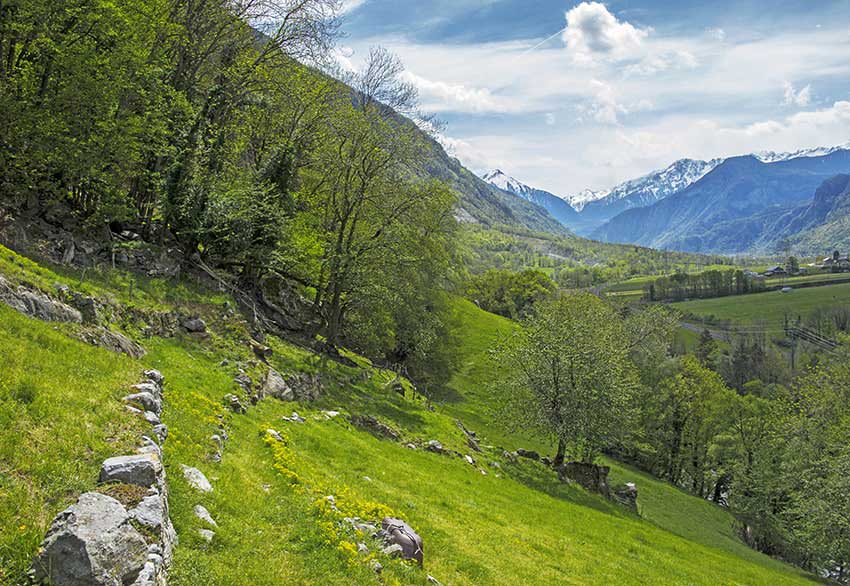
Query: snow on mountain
582,198
507,183
657,185
773,157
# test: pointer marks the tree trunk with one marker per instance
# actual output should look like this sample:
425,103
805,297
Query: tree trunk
559,457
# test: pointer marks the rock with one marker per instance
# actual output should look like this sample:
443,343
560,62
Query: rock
141,469
161,433
396,532
204,515
471,436
194,325
36,304
469,459
295,418
362,548
530,454
589,476
393,550
146,400
151,418
150,512
626,495
307,387
410,446
495,465
234,403
155,376
91,543
375,427
112,341
196,479
436,447
510,456
546,461
206,534
276,387
244,381
376,566
432,580
330,414
260,350
273,433
87,306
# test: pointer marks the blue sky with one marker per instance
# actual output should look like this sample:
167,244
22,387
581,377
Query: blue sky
573,95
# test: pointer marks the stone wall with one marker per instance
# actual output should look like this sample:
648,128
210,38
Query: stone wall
103,541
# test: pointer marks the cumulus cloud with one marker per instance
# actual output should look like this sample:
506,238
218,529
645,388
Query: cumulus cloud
443,96
663,60
800,98
593,33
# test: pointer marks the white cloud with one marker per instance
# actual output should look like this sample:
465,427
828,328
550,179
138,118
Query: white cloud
550,119
605,106
442,96
800,98
718,34
593,33
351,5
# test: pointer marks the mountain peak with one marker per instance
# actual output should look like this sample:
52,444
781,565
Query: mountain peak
774,157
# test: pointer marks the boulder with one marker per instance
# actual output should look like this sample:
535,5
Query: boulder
591,477
140,469
436,447
147,400
196,479
92,543
400,537
510,456
155,376
530,454
244,381
150,512
206,534
194,325
375,427
276,387
204,515
37,305
626,495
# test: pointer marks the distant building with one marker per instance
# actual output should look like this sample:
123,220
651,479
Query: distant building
841,263
775,271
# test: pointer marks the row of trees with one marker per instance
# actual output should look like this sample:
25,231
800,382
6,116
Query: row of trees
599,380
714,283
197,121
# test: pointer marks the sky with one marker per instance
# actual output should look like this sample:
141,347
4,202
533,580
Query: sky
568,96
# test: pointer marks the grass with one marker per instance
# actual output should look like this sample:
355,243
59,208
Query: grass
514,524
60,417
769,307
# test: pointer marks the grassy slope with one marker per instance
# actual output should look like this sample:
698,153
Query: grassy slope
515,524
770,306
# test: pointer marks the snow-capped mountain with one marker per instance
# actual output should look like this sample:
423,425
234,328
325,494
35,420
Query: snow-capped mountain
582,198
557,207
773,157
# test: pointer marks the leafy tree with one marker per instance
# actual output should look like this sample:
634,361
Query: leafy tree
706,347
569,374
508,293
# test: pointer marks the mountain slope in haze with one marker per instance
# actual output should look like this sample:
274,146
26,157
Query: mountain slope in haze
722,212
645,191
557,207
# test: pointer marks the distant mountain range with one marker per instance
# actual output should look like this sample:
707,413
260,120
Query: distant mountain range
751,203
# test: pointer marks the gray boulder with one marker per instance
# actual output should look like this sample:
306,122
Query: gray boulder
530,454
148,401
234,403
399,537
591,477
150,512
375,427
196,479
276,387
194,325
37,305
204,515
140,469
91,543
626,495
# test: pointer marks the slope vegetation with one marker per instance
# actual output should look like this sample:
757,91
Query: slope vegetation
495,521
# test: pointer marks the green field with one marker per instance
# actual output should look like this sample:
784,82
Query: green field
514,524
769,307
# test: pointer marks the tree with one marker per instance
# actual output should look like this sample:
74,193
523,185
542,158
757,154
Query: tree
706,347
569,374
